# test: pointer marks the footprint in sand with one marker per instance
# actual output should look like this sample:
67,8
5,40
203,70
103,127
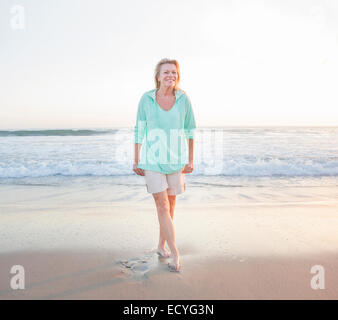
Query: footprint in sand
140,266
240,259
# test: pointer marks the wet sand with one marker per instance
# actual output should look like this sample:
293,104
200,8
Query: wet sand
253,243
99,275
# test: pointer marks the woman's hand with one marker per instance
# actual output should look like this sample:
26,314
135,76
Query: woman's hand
137,170
188,168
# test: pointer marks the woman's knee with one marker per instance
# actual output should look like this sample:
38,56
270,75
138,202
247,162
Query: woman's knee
163,205
162,202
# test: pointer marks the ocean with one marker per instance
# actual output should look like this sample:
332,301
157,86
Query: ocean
220,154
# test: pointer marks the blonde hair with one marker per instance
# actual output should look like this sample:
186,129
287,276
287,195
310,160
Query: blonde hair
158,69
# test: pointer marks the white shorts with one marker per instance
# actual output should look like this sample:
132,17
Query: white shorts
156,182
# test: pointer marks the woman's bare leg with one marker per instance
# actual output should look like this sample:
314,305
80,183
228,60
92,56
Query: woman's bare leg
166,225
161,242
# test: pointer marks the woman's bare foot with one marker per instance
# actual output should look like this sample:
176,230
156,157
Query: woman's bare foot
176,263
162,252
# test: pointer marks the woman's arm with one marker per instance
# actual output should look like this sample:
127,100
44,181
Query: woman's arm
189,167
189,126
137,170
191,150
139,132
137,152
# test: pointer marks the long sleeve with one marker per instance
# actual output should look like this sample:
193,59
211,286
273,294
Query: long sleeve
140,126
189,122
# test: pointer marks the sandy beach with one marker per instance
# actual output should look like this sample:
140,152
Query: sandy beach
96,239
239,95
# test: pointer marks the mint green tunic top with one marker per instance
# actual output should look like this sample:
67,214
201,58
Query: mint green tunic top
163,134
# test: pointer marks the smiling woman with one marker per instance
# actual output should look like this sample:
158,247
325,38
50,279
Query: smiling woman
168,71
164,120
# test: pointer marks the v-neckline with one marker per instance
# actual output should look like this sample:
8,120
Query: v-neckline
161,107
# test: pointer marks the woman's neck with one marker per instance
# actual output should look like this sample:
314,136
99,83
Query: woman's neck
166,91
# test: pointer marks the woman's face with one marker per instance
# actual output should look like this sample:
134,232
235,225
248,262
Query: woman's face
168,75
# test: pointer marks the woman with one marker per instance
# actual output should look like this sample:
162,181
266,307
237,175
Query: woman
164,120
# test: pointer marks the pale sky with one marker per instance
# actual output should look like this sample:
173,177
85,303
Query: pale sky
86,63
